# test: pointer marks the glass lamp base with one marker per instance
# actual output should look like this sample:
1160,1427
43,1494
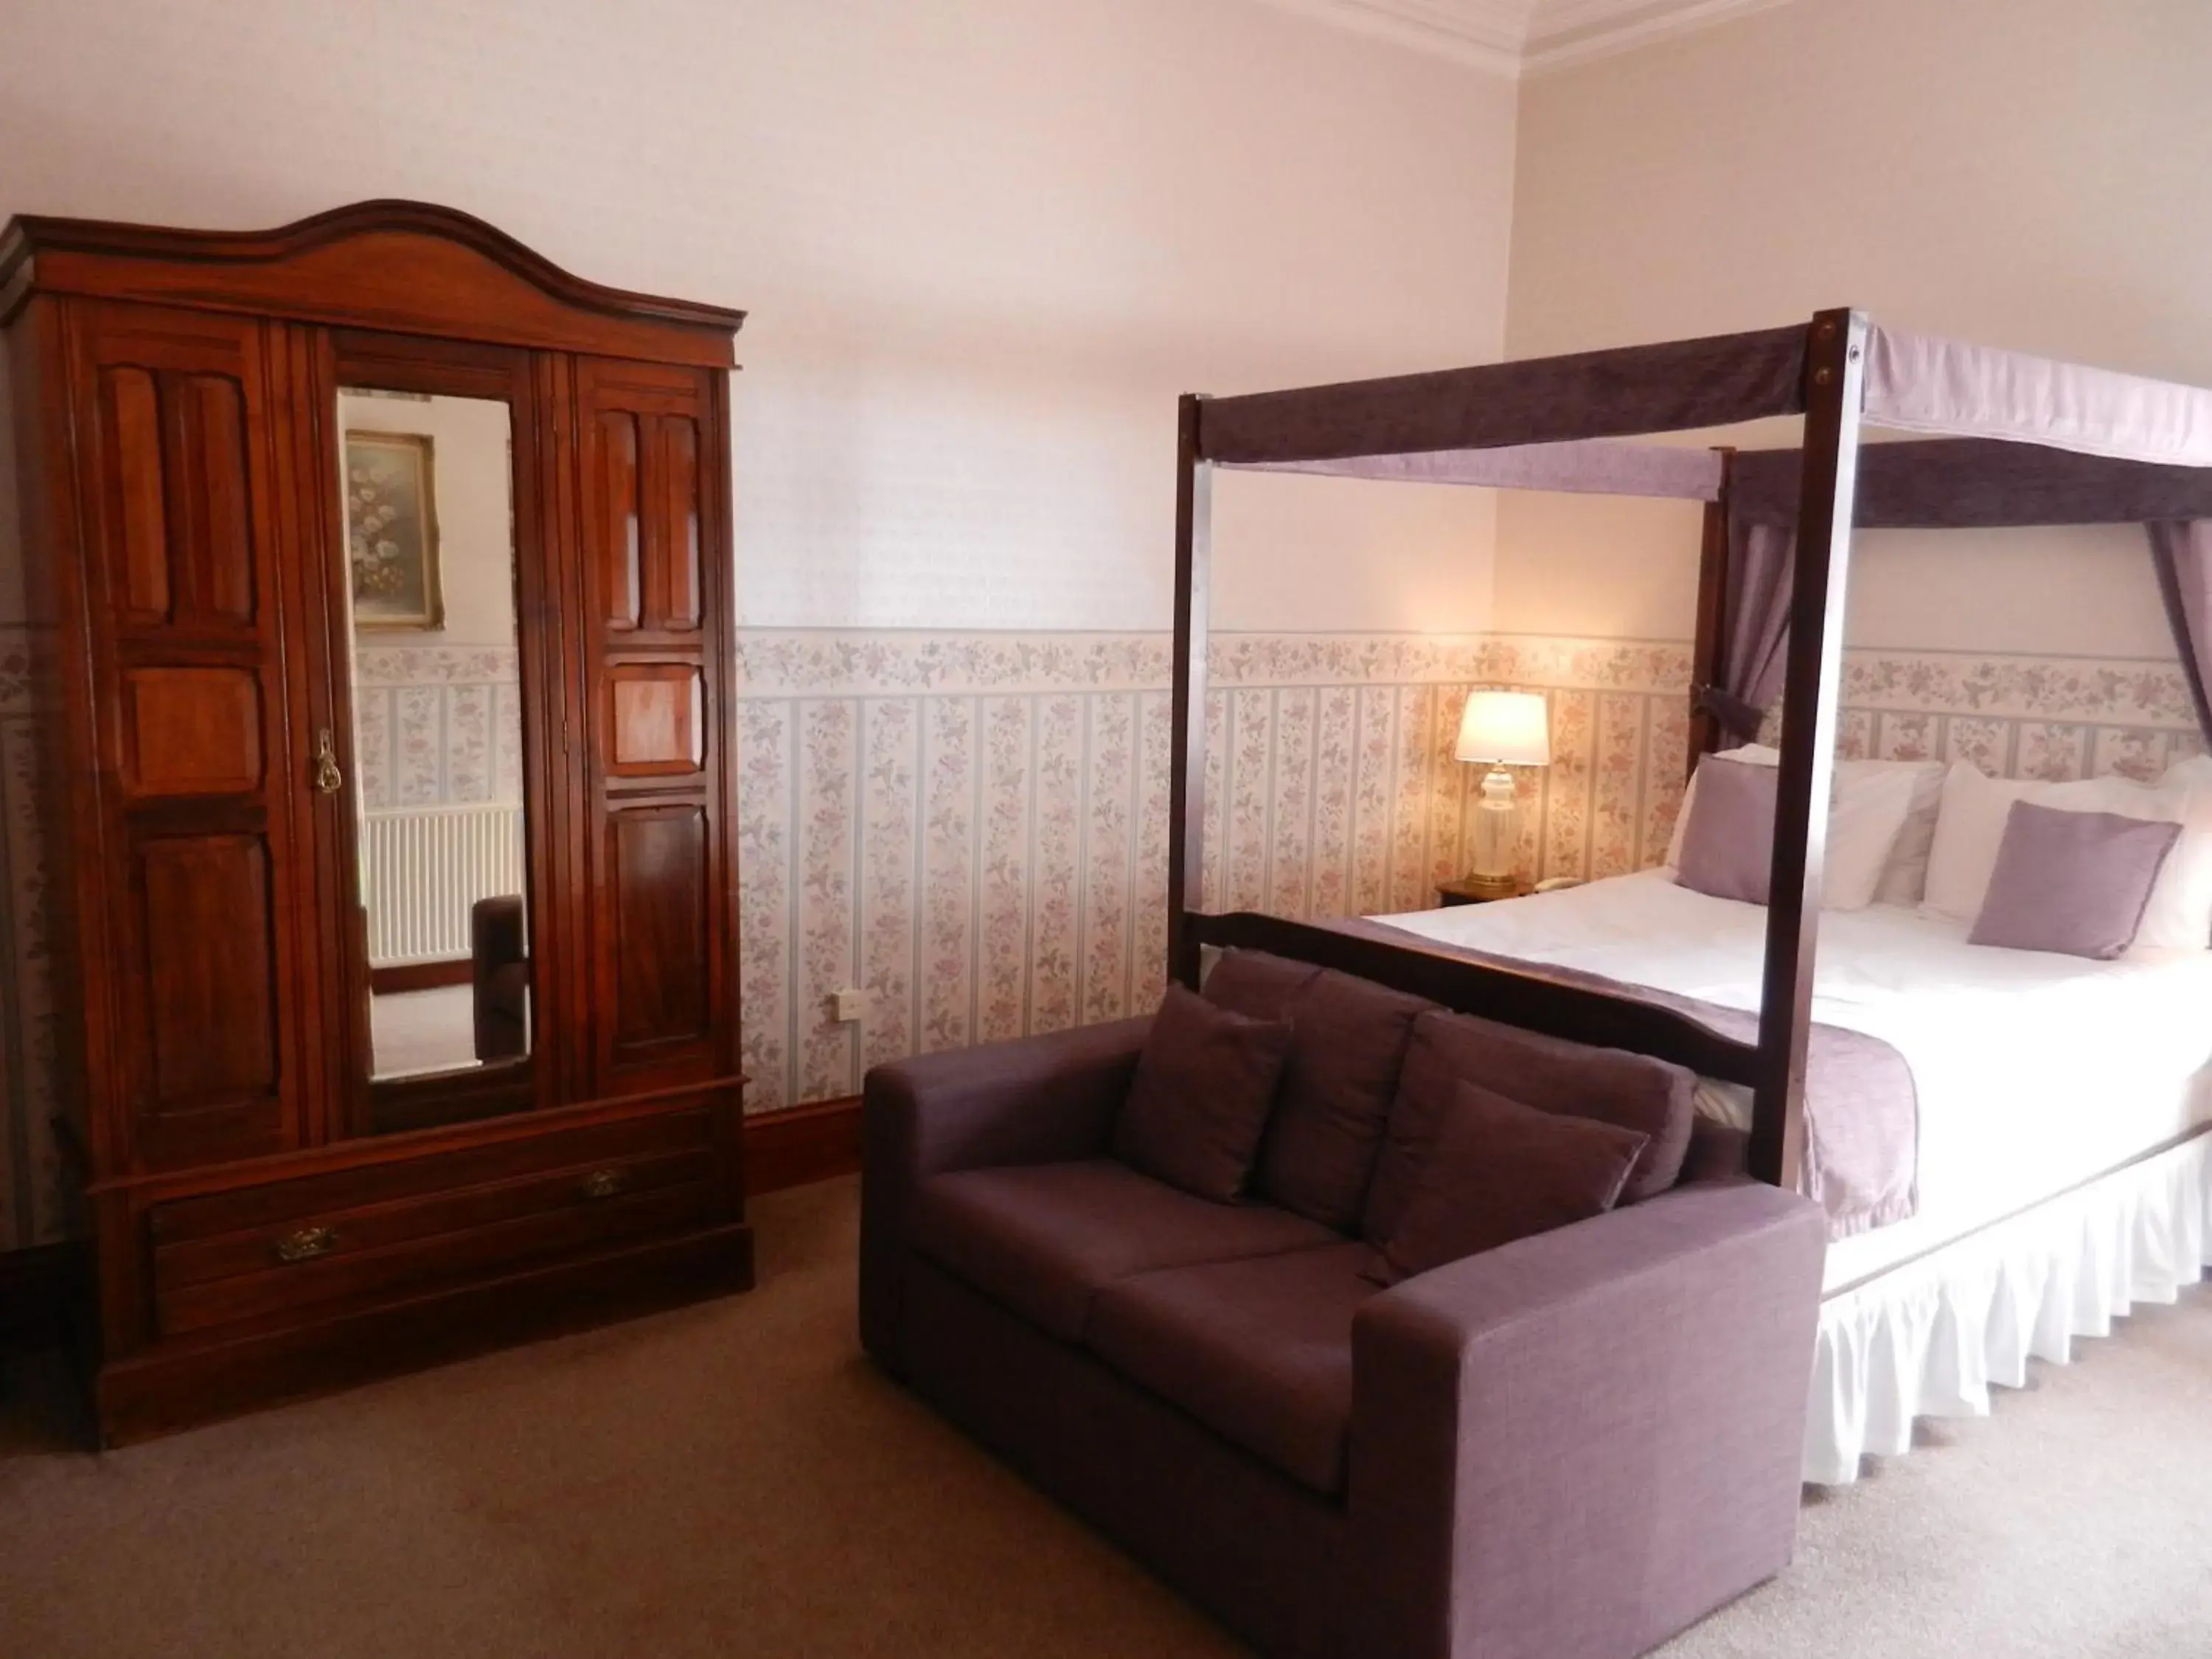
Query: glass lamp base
1494,838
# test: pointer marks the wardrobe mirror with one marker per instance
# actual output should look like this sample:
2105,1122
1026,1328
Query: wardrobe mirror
429,487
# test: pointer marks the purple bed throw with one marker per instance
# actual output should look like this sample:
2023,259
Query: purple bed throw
1862,1106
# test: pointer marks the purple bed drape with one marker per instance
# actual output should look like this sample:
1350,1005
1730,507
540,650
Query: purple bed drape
2182,552
1756,647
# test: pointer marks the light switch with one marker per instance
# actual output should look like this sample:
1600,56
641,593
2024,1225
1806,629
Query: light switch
851,1004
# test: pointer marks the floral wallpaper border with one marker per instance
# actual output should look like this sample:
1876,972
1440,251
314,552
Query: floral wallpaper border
810,662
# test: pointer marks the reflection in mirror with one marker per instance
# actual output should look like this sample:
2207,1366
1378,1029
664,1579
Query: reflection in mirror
437,730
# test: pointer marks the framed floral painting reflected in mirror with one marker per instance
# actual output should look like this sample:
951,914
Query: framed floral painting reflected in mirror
391,531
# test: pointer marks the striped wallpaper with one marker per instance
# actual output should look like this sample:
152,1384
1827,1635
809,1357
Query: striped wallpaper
972,828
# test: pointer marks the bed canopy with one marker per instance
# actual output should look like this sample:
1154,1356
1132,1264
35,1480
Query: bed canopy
2001,440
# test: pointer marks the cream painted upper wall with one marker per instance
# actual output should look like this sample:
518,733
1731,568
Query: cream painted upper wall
985,244
2029,174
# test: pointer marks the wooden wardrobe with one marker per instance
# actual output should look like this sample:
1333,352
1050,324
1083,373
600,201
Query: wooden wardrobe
235,493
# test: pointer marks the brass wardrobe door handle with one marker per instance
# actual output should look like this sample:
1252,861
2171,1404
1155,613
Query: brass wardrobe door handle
600,1183
328,778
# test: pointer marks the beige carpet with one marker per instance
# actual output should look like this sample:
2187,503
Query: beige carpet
412,1032
735,1480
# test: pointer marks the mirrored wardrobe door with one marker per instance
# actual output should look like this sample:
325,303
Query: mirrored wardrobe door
433,764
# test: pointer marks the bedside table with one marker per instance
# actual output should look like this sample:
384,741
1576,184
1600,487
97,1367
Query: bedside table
1458,892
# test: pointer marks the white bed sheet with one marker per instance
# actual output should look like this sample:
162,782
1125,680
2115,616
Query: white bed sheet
2034,1071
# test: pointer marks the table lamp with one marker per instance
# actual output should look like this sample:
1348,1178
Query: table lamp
1501,729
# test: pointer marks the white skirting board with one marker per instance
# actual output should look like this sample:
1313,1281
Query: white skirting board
1929,1338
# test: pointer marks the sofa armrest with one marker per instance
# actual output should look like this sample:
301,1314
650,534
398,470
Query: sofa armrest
1038,1100
1585,1441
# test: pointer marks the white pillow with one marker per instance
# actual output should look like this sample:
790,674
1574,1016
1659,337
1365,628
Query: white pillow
1866,808
2195,773
2189,867
1904,877
1866,819
1972,824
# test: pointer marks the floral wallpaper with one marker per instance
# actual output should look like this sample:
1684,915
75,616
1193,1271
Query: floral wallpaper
436,726
972,828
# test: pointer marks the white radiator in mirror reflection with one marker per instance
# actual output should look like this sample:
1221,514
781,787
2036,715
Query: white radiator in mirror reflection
422,867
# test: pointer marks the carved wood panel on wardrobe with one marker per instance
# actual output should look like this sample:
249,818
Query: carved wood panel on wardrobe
661,916
200,818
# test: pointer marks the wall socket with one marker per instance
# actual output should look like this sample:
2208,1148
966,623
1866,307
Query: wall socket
850,1003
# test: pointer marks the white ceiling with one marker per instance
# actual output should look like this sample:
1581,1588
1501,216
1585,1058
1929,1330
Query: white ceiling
1524,36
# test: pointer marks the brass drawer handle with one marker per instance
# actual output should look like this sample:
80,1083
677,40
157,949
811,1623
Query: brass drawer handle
307,1244
601,1184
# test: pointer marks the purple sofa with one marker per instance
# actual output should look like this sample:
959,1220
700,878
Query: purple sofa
1576,1444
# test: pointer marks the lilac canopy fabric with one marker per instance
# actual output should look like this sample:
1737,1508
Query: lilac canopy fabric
1996,408
2182,553
1918,383
1589,467
1913,383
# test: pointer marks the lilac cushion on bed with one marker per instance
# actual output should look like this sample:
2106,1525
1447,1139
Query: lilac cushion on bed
1728,846
1199,1102
1499,1171
2074,883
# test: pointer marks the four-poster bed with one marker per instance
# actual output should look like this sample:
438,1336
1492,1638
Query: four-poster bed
2019,443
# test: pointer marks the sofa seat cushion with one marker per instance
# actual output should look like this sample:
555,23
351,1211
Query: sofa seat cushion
1046,1238
1260,1349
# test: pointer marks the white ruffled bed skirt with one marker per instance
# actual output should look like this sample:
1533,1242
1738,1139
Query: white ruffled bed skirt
1928,1338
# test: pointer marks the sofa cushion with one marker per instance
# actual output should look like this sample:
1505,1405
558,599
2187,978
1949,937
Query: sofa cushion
1205,1085
1047,1238
1257,982
1500,1171
1348,1040
1260,1350
1635,1091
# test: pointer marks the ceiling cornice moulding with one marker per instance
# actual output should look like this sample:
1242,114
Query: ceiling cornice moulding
1513,37
1570,32
1484,35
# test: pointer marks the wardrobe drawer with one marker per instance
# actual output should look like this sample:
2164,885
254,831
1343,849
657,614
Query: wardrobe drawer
354,1235
354,1254
309,1197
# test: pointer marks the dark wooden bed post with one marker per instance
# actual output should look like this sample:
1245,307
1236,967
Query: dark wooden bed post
1835,366
1706,653
1187,770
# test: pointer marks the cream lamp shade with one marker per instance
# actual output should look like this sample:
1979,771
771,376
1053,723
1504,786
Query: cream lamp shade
1505,728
